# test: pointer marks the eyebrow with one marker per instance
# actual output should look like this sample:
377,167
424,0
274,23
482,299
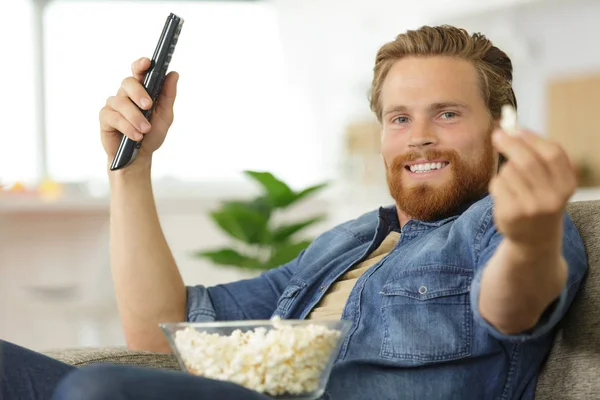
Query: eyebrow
432,107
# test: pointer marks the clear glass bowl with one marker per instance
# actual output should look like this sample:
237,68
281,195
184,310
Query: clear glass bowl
312,356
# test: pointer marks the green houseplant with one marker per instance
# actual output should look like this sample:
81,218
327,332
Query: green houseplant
258,243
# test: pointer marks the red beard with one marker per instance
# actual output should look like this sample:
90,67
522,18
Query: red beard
426,202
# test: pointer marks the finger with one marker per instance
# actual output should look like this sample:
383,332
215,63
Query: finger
557,160
166,99
499,190
518,184
130,112
503,197
498,187
139,68
133,89
525,158
111,120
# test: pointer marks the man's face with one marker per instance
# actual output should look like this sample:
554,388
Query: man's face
436,139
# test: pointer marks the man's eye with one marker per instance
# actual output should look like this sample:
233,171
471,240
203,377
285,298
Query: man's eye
401,120
448,115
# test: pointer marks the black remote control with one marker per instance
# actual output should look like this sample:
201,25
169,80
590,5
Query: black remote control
153,82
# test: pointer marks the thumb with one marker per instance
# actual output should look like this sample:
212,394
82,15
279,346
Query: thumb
166,99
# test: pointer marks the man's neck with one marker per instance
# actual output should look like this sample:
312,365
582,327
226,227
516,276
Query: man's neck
403,218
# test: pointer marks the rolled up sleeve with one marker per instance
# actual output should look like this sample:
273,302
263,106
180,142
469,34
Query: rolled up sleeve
575,256
254,298
199,306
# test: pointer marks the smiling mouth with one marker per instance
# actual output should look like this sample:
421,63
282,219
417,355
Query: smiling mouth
422,168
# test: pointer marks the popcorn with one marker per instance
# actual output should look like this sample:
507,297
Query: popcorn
283,360
508,123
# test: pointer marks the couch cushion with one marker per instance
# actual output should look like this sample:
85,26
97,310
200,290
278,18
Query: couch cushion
115,355
572,370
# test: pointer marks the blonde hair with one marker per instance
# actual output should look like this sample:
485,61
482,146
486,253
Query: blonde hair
492,64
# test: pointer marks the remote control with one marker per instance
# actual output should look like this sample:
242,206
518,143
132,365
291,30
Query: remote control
153,82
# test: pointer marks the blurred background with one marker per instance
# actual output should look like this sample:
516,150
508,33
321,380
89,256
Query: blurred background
278,86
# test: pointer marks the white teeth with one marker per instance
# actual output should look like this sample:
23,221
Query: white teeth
425,167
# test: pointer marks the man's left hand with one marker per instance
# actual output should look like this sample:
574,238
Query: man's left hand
532,189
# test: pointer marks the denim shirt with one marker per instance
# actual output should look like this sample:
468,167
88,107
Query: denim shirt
416,328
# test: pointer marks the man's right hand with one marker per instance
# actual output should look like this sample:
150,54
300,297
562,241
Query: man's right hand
121,116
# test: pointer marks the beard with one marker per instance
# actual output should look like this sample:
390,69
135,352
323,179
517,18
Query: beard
430,202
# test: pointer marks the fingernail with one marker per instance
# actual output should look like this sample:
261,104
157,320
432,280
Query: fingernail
145,102
139,136
144,126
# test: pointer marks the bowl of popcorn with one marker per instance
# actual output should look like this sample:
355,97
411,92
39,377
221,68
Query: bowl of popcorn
283,359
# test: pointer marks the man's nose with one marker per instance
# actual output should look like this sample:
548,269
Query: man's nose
422,135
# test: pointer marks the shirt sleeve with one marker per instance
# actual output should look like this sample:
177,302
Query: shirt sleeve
254,298
575,256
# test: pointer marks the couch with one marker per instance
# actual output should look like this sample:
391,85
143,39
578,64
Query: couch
571,371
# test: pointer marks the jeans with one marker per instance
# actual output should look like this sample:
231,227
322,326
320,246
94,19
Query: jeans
27,375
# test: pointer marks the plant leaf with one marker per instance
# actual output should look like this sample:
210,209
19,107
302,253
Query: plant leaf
286,252
278,192
261,205
303,193
242,222
284,232
227,256
228,224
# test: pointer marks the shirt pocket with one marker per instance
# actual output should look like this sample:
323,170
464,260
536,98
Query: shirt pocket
426,314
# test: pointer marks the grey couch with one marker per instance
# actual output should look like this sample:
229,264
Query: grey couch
572,370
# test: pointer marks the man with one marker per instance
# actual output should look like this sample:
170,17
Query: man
453,293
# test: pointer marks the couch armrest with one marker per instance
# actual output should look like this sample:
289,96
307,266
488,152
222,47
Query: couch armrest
115,355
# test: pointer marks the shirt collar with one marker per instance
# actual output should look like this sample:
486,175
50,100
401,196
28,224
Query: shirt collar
389,216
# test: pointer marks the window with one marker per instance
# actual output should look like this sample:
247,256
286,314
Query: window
18,149
231,112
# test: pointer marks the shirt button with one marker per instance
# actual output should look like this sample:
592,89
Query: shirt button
423,290
322,288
